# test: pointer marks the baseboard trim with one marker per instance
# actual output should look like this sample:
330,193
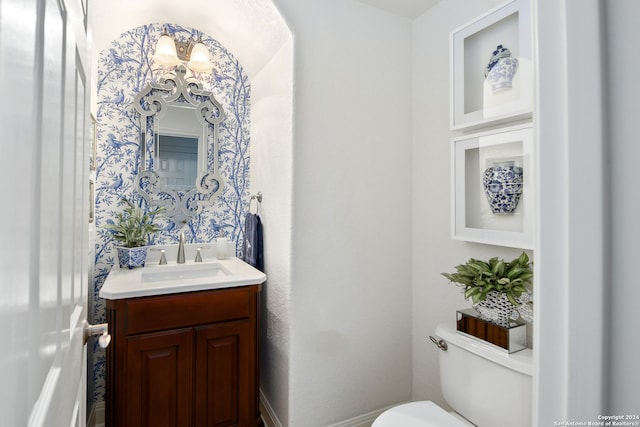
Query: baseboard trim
364,420
96,417
268,414
271,419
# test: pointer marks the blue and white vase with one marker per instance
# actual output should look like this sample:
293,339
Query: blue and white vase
503,186
501,69
132,257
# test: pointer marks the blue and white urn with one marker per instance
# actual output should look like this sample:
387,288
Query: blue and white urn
501,69
503,187
132,257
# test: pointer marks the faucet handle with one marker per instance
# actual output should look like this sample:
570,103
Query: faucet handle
199,254
163,259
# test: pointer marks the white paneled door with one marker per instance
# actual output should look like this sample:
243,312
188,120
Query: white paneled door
44,178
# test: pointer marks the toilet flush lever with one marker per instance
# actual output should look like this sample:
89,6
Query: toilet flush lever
101,329
441,344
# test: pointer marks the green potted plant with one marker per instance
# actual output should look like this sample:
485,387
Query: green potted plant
132,229
496,287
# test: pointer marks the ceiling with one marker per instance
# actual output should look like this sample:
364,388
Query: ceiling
252,29
408,8
234,23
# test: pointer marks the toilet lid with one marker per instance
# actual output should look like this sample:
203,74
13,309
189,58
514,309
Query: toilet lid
417,414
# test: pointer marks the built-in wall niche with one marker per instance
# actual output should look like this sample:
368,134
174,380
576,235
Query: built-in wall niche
124,67
482,93
489,168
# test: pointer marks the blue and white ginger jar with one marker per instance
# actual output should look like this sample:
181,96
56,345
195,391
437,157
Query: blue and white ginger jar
503,187
501,69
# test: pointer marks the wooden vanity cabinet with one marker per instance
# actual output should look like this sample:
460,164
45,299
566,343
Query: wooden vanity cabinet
188,359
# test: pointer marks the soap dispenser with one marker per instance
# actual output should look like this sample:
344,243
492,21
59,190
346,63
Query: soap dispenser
222,244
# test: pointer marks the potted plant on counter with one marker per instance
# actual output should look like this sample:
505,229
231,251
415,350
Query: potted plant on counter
497,288
132,229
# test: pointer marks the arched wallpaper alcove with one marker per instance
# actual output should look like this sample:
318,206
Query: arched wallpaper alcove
124,68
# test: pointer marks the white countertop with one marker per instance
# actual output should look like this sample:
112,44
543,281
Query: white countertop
140,282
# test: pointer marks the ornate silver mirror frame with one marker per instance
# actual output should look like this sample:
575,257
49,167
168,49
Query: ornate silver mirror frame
153,103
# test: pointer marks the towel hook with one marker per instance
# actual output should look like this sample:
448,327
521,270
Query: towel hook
258,199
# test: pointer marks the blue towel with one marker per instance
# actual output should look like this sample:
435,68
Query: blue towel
253,254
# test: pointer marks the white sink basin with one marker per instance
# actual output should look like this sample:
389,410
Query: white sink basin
176,278
183,272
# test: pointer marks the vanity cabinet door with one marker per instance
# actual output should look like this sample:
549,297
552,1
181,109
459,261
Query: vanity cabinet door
183,360
222,377
158,379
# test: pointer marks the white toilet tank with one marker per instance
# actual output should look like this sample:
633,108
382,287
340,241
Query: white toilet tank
488,387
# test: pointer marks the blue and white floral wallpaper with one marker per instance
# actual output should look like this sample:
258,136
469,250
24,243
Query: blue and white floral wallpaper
124,68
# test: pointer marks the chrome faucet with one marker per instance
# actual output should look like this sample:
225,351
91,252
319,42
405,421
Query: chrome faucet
180,259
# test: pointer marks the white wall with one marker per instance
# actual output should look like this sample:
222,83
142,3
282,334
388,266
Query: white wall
624,151
271,174
351,256
570,329
434,299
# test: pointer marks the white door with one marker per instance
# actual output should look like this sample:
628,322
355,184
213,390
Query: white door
44,212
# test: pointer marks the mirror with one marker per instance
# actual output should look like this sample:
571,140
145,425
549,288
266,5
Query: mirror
179,145
178,161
